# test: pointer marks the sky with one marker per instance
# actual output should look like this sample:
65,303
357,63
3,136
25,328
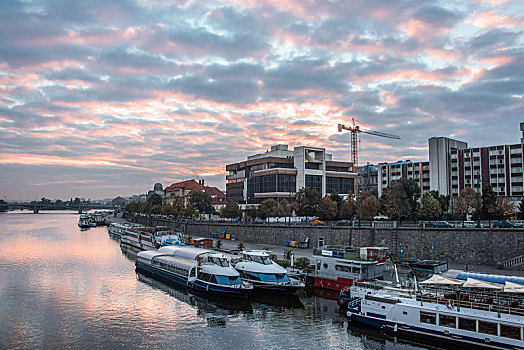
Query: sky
105,98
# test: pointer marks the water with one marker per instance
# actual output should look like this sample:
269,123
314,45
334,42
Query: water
64,288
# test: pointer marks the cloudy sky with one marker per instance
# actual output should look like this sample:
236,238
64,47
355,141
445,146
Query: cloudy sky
105,98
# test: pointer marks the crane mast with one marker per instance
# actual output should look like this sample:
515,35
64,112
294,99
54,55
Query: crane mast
354,129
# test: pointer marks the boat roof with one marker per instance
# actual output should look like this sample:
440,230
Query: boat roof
184,251
150,254
260,268
219,270
463,275
255,252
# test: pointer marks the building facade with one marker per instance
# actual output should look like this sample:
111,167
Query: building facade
389,172
440,149
280,173
184,189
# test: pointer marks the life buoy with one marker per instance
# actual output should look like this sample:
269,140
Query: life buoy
450,304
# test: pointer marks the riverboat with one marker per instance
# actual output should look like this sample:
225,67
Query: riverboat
213,275
148,238
118,228
337,267
257,268
471,313
85,221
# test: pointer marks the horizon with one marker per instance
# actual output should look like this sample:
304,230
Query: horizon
103,100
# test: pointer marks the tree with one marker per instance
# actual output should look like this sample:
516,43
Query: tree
412,190
503,207
168,209
306,201
489,202
369,207
442,200
76,202
179,206
219,243
155,199
466,202
201,201
429,207
240,246
400,199
348,209
190,211
327,209
231,210
268,208
156,209
284,209
337,199
520,211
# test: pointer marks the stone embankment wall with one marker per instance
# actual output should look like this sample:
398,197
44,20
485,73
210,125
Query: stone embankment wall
469,246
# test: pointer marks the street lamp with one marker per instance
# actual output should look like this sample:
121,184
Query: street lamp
477,183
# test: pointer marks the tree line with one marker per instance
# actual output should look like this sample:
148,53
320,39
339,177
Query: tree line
401,200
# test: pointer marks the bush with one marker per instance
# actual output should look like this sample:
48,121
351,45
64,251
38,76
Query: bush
302,263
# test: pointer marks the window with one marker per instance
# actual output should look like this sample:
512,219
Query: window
467,324
267,277
508,331
428,317
488,328
282,277
342,268
447,321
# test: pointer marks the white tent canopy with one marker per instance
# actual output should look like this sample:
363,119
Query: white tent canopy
440,280
474,283
512,287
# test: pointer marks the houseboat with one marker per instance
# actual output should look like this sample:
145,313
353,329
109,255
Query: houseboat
337,267
257,268
471,313
148,238
213,276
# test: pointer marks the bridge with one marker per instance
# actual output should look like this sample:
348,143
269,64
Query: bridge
38,206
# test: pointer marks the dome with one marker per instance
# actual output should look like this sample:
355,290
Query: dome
158,187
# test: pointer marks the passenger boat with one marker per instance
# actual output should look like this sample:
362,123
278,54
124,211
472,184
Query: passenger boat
211,275
148,238
118,228
84,221
257,268
470,313
337,267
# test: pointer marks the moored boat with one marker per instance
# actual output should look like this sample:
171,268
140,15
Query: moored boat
212,276
256,267
148,238
84,221
336,268
465,314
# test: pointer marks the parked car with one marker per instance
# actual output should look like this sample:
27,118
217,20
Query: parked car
518,223
503,224
439,224
471,224
344,223
317,222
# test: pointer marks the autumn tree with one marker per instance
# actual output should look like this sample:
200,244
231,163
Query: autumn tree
231,210
489,202
466,202
201,201
369,207
179,205
400,199
442,200
327,209
168,209
306,201
520,211
284,209
338,200
268,208
503,207
430,208
348,209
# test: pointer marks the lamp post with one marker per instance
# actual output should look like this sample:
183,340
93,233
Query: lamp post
477,182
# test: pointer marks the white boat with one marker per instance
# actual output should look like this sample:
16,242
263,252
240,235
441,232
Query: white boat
85,221
466,314
200,269
256,267
118,228
148,238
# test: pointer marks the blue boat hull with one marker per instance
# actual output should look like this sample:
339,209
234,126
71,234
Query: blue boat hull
428,335
202,286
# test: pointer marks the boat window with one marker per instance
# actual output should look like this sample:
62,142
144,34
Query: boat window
428,317
488,328
235,280
267,277
467,324
325,265
447,321
342,268
212,279
252,276
218,261
508,331
261,259
282,277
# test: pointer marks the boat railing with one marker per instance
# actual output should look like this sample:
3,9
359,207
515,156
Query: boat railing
486,306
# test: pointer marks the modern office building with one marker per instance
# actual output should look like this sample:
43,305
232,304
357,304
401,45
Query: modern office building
280,173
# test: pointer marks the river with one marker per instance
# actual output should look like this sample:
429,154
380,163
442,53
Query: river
65,288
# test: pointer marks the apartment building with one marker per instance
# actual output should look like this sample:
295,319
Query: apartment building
389,172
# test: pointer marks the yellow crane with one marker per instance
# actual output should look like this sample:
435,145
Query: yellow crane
355,129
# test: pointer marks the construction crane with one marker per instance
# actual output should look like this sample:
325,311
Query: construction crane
355,129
